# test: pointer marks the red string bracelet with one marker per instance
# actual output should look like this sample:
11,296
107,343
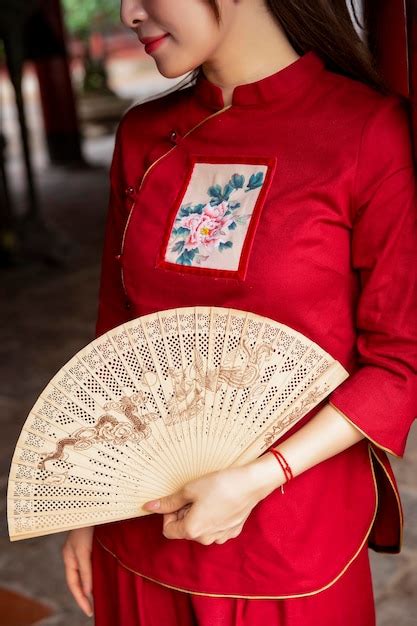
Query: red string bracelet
284,465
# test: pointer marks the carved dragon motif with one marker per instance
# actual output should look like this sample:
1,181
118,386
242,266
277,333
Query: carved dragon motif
241,369
108,428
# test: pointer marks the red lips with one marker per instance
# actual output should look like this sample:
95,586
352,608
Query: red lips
147,40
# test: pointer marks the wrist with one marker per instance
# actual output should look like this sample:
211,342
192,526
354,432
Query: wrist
265,475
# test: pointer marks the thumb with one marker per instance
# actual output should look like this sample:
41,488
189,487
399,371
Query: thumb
167,504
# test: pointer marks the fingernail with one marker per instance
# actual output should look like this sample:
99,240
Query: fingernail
153,504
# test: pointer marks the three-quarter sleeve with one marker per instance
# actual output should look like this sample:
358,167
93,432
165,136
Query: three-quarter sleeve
380,396
111,297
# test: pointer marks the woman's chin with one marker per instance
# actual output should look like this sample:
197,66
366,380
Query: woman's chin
169,67
168,72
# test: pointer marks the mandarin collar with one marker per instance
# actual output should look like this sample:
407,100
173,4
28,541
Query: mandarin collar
272,87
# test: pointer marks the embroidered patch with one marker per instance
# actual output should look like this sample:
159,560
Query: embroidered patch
212,225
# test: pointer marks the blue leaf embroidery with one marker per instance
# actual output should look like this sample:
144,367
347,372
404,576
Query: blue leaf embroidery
187,256
222,245
255,181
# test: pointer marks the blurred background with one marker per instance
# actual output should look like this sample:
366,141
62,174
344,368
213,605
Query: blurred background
68,72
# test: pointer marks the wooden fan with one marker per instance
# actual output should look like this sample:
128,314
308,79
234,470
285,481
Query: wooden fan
156,402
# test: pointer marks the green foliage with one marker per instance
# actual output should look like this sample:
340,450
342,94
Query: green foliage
84,16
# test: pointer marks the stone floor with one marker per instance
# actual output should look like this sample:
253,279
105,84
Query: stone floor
47,314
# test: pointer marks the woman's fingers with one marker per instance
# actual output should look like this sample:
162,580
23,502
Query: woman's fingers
86,575
183,511
171,517
72,574
231,534
76,554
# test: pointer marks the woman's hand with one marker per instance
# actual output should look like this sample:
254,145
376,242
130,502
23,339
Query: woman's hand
214,507
76,553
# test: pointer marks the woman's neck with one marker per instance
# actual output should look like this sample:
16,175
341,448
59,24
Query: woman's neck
249,54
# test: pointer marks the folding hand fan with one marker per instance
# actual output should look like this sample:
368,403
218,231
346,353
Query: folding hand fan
154,403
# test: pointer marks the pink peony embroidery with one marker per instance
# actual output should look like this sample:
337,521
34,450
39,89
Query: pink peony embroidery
202,231
207,229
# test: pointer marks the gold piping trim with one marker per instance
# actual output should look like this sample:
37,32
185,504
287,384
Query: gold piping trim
122,245
300,595
143,178
364,433
396,497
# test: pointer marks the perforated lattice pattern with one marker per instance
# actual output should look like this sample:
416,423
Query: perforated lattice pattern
154,403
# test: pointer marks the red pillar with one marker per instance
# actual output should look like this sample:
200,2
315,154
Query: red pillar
412,56
45,39
392,28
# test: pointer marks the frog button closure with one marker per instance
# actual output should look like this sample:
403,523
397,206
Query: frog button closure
129,191
173,136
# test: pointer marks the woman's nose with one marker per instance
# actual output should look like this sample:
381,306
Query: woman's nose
132,13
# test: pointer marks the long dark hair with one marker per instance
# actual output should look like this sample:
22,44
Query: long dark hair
325,26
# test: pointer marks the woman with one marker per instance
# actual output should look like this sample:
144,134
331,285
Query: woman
330,249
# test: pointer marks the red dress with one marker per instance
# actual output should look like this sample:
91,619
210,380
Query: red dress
318,170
